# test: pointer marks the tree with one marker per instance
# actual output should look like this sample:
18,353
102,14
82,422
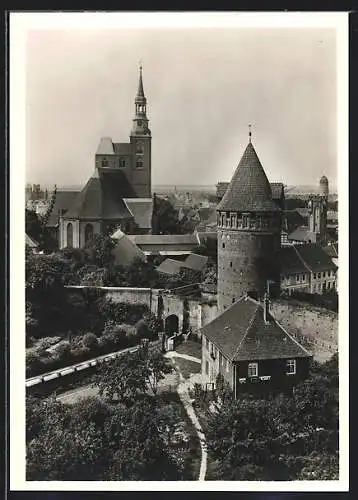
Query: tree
165,218
127,377
98,251
90,340
37,229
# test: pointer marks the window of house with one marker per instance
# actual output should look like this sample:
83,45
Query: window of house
139,163
230,264
319,275
223,245
333,285
104,162
207,367
122,163
314,275
291,367
297,277
252,370
329,285
139,148
324,274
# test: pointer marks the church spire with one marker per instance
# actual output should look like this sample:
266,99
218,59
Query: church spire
140,121
140,98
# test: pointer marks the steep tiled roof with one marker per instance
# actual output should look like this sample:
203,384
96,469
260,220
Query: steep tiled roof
30,242
164,239
249,189
122,148
63,201
142,209
290,262
196,262
315,257
125,251
332,250
105,147
101,198
241,334
170,266
302,233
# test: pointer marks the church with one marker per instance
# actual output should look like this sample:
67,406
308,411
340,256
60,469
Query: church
118,193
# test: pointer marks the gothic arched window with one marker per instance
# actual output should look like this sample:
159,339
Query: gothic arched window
69,231
88,232
139,148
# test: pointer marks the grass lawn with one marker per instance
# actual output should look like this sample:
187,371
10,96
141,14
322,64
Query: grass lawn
187,367
190,347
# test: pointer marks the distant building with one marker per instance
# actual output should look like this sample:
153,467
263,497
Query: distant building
307,268
165,244
118,194
251,350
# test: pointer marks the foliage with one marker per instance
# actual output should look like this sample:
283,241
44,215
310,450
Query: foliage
92,440
165,218
98,251
36,228
135,374
90,340
281,437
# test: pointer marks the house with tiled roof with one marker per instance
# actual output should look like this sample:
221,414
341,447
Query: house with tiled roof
251,350
307,268
118,193
165,244
193,261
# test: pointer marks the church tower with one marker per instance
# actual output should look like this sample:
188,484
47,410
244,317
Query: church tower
140,139
249,227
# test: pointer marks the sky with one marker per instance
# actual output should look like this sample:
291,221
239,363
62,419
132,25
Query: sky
203,87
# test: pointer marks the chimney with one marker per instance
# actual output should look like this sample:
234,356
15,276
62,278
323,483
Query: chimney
266,307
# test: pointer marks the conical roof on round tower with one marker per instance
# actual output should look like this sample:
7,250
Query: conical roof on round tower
249,189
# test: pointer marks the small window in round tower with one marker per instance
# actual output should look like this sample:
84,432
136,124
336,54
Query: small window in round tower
223,245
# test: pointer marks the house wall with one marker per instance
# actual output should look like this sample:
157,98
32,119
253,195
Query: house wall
212,365
275,369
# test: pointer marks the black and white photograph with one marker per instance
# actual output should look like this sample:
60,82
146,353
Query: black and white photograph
179,199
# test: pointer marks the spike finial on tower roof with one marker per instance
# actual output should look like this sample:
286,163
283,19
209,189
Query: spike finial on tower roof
250,134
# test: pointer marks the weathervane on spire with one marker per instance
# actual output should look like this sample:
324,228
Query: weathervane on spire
140,65
250,132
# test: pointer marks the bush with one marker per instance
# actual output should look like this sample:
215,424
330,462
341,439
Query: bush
80,353
90,340
63,351
33,364
142,329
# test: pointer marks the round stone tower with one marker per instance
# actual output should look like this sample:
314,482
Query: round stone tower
324,187
249,230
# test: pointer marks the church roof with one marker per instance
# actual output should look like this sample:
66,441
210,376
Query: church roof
241,334
63,201
140,97
105,147
102,198
249,189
